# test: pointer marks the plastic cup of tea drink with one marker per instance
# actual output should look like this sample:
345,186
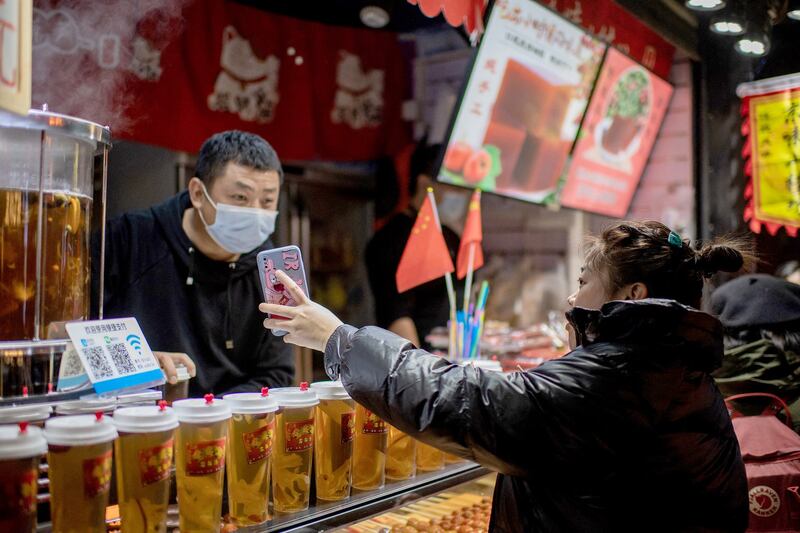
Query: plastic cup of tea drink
294,448
90,406
143,458
21,449
401,455
200,443
79,459
251,433
429,459
369,450
180,389
35,415
333,441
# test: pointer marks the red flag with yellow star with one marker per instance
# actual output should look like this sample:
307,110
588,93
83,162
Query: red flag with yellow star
472,237
426,256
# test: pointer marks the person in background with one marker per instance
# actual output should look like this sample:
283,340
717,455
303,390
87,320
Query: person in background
790,271
761,316
414,313
628,432
186,269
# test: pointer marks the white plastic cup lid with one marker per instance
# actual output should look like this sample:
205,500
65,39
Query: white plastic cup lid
24,413
85,407
292,397
250,403
141,398
17,444
487,364
200,411
330,390
183,373
79,430
145,419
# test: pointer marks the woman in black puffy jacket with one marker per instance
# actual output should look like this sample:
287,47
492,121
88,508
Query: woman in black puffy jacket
628,432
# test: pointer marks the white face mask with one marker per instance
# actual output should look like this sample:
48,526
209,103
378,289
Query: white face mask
239,229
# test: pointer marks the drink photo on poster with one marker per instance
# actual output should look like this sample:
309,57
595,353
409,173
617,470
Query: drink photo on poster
523,103
617,135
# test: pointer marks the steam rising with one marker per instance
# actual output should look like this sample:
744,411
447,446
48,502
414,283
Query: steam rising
87,53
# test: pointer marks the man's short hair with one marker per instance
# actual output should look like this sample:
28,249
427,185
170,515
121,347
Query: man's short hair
240,147
423,161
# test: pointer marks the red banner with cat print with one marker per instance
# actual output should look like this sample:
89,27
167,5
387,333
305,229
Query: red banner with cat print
172,73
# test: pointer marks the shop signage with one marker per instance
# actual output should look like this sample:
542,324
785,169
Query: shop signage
523,103
172,79
15,55
771,111
618,132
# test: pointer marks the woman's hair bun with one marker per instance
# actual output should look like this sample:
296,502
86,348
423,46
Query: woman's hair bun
722,257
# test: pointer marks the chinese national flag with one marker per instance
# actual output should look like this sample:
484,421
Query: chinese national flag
426,256
472,236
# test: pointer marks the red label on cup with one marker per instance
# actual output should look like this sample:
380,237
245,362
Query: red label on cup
258,443
373,424
299,435
97,475
205,457
18,492
348,426
154,463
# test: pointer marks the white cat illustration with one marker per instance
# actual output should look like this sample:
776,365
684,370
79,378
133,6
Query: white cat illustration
359,97
246,85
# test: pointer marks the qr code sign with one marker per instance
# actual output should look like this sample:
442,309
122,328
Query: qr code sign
96,357
122,358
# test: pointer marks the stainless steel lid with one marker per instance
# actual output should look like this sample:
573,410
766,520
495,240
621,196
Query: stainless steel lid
57,124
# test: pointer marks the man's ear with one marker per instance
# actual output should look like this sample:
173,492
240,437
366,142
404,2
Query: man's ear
196,194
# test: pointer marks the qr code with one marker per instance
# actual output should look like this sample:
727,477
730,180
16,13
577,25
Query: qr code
122,359
96,357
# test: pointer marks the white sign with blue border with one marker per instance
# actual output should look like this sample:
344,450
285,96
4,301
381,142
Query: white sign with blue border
115,354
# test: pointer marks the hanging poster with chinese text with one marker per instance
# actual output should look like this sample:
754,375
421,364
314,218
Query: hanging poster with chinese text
771,110
617,135
524,101
15,55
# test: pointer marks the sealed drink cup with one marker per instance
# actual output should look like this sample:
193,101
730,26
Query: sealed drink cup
33,414
333,444
21,448
429,458
143,457
180,389
251,433
401,455
200,443
294,448
79,459
369,450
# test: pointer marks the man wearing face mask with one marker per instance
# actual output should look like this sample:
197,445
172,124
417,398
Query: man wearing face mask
414,313
186,269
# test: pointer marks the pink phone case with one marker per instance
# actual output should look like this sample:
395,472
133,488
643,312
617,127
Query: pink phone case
289,259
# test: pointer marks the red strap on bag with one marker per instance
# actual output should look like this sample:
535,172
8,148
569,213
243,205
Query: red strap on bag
773,408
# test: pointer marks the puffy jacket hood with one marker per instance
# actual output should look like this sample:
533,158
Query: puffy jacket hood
666,327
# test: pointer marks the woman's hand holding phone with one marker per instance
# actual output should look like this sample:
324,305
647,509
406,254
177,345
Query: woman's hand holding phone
308,324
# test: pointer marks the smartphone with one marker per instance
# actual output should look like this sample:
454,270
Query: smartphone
289,259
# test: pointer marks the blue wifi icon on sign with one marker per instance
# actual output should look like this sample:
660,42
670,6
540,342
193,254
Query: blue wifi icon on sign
135,341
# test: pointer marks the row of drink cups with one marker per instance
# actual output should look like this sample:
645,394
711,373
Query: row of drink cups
264,440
